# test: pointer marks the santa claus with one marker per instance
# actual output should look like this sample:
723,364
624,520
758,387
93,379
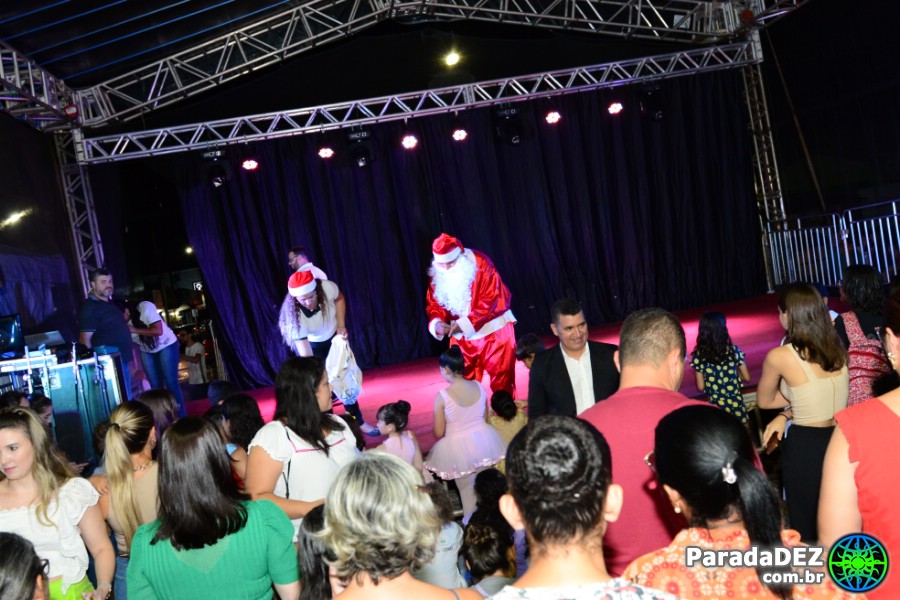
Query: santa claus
468,301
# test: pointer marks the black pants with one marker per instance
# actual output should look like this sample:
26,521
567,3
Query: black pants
803,454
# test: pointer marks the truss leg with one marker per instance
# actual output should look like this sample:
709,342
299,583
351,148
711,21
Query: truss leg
767,182
79,205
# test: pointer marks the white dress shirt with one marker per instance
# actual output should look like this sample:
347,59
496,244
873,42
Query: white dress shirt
582,378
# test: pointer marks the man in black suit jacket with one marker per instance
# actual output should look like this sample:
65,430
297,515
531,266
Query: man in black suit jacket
573,376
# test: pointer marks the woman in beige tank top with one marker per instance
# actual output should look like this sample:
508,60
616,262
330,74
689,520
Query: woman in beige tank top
808,377
129,488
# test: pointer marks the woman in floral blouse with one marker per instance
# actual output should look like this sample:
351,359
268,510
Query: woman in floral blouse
704,460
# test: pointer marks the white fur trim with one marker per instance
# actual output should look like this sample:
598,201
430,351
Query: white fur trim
302,290
433,331
449,257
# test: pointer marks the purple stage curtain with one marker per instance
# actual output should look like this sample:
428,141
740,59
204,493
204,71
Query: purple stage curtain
618,212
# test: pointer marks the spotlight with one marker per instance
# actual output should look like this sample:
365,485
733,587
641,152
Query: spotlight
452,58
326,152
651,102
507,124
410,141
615,108
218,176
553,117
460,134
360,146
188,250
250,164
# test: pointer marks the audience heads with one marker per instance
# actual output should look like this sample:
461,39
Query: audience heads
713,342
220,389
863,288
378,520
891,322
487,550
312,553
443,503
42,405
527,347
559,473
704,458
396,414
648,336
452,360
23,576
14,398
490,485
565,307
199,501
297,257
164,407
302,398
242,418
503,405
809,328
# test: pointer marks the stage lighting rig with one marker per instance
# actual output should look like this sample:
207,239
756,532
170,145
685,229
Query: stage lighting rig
507,124
360,146
218,169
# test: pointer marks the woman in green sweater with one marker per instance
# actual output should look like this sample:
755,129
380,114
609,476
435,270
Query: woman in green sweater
210,540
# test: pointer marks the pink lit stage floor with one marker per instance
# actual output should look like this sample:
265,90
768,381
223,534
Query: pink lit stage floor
753,324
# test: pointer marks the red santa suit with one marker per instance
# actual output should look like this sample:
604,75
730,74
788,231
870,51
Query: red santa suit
486,337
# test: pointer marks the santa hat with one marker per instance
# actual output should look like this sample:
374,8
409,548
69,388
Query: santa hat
301,283
446,248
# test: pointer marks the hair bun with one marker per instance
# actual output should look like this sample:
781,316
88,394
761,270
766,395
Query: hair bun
404,406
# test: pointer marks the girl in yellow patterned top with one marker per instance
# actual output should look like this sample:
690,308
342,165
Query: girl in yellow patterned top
719,365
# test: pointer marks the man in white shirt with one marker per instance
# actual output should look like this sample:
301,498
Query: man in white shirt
195,355
573,376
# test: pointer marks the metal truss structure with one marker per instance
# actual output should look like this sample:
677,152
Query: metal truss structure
317,22
300,121
31,94
80,206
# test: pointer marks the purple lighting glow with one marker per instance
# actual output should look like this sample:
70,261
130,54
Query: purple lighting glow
615,108
553,117
409,141
460,134
250,165
326,152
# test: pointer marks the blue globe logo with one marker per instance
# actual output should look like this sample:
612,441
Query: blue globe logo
858,562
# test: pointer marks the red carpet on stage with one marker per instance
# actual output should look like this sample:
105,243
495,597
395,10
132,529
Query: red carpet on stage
753,324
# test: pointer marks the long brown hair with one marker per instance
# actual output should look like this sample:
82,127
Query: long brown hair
809,328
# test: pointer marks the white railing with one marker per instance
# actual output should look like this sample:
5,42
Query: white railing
817,248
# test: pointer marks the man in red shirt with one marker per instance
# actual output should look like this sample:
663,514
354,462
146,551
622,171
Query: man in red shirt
651,361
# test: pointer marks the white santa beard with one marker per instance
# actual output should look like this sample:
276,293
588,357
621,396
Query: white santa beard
453,287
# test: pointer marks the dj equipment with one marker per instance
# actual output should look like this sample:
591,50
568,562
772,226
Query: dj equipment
83,393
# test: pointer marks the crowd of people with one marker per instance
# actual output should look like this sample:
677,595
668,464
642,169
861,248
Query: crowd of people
596,485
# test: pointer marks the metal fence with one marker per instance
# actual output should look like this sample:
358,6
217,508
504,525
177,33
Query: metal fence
817,248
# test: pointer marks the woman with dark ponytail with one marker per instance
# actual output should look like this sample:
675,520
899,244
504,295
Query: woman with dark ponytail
704,460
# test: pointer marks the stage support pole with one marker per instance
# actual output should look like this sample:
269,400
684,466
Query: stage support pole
79,199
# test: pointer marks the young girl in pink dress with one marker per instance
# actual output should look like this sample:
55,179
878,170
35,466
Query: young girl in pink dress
466,442
392,421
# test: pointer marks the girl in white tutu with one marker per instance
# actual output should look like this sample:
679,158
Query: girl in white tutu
466,442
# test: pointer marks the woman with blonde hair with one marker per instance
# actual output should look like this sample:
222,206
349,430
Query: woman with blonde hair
809,376
43,502
380,524
129,487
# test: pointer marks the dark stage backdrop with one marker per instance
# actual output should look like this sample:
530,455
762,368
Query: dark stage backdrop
619,212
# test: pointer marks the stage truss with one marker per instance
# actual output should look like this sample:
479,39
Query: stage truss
211,134
36,97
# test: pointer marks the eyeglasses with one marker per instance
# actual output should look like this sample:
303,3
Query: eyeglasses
44,566
650,461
